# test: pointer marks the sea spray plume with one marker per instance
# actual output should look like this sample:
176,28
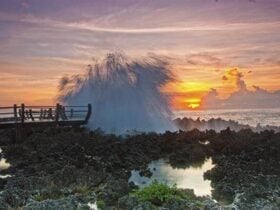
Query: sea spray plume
124,93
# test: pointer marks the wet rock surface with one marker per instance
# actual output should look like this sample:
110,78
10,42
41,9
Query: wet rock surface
248,172
65,168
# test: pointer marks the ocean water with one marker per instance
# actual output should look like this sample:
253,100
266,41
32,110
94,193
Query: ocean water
250,117
244,116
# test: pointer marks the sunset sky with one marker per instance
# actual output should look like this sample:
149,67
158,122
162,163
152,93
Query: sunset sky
218,50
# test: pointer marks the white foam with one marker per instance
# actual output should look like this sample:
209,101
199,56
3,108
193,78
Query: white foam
125,94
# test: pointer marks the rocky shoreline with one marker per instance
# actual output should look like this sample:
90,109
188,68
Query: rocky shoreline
218,124
73,168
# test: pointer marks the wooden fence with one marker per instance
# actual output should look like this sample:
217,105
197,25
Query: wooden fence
44,115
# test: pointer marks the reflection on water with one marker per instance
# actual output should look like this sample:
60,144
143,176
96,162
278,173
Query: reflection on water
93,206
4,165
191,177
5,176
204,142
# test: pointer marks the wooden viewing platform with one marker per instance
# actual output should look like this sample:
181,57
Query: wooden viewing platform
44,115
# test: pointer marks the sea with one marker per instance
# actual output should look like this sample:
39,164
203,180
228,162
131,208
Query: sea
251,117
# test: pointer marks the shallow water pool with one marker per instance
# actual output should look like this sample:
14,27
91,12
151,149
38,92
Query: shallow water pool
190,177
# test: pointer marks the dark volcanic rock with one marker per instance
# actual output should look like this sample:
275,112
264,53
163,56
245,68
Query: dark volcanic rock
68,203
65,168
146,173
113,190
128,202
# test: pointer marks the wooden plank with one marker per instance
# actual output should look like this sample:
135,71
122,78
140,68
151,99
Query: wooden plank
43,123
6,107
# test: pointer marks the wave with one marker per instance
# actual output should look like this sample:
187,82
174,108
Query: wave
125,94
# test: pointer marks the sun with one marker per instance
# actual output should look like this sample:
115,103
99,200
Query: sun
186,95
193,103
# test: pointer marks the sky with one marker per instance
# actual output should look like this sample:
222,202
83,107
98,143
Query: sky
221,51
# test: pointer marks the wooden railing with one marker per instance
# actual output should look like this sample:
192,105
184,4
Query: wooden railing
59,114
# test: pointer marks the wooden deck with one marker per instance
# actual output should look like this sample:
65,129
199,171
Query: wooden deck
58,115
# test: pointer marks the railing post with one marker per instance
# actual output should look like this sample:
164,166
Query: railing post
15,112
57,112
31,114
41,114
22,113
63,113
50,114
72,113
88,113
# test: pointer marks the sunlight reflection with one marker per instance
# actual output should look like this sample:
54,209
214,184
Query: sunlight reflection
191,178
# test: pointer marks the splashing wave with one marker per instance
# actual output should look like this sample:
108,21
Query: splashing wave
125,94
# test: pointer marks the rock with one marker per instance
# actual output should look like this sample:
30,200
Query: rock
146,173
3,182
132,186
209,204
128,202
65,167
68,203
113,190
144,206
181,204
4,205
14,197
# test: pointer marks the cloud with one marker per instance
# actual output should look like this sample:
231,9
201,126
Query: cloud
204,59
52,33
168,28
236,76
224,78
242,98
